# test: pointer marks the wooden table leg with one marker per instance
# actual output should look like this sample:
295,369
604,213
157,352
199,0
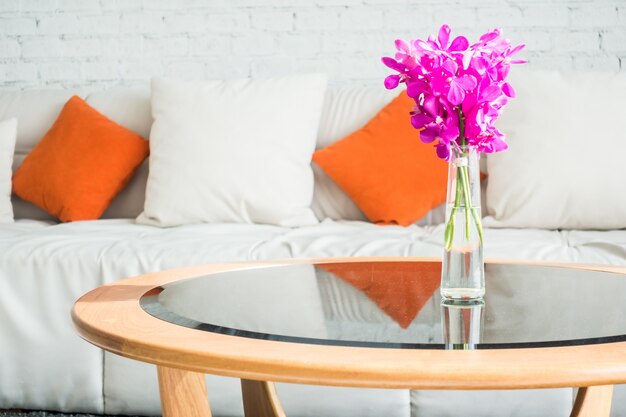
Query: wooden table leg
183,393
260,399
593,401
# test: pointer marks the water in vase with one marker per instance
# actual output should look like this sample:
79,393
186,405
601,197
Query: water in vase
463,268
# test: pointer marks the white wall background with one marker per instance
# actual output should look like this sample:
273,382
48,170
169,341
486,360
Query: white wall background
107,42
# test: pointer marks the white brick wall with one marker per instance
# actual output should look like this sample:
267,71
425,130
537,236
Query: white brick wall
107,42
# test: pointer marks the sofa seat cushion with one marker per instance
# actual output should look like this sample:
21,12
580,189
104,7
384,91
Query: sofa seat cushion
72,258
45,266
153,248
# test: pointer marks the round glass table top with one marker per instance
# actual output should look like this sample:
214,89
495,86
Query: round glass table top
397,305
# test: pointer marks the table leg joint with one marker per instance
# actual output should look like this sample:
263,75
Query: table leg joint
260,399
183,393
593,401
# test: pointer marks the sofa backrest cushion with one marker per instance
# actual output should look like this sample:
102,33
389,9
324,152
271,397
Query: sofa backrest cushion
345,110
565,165
8,132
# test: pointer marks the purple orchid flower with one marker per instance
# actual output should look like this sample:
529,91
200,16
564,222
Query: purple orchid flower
451,79
437,121
454,87
393,80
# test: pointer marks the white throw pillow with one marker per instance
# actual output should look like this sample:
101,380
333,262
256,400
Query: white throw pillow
565,165
235,151
8,133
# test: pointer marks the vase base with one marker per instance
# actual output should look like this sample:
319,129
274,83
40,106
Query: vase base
463,293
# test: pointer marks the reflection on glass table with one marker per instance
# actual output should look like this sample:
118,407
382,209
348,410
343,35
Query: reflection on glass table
462,323
397,305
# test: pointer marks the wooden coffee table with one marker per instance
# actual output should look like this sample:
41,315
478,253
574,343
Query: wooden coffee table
217,319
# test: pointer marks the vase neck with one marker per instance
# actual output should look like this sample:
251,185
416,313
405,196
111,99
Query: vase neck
464,155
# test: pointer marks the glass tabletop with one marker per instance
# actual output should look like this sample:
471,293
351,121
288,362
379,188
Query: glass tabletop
397,305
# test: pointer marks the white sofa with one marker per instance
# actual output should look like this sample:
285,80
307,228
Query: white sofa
45,267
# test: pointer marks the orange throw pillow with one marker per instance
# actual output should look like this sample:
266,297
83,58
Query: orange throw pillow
80,165
385,169
400,289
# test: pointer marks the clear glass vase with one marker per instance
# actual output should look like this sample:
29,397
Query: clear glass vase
463,272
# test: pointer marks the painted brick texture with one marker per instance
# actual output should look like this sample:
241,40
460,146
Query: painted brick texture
71,43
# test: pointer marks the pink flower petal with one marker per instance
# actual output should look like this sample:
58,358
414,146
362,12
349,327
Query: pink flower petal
444,36
402,46
424,46
449,134
489,36
420,120
508,90
443,151
498,145
392,81
479,64
469,102
428,135
517,49
392,63
467,82
431,106
409,62
450,66
399,56
414,89
490,93
459,44
503,72
456,94
440,85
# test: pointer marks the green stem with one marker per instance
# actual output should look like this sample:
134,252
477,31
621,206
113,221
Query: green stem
462,191
461,126
479,224
468,199
470,207
449,230
462,171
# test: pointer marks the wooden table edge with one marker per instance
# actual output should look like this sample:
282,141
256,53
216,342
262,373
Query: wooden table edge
129,331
